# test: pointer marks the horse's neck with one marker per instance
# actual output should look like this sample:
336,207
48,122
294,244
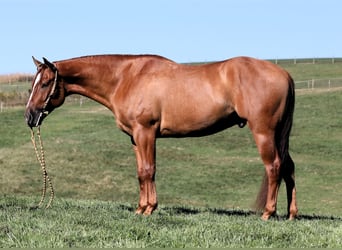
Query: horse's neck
84,78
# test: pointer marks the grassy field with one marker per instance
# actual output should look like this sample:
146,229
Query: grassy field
206,186
81,223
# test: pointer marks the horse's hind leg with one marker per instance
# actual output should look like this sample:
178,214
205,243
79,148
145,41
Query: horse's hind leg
287,170
265,142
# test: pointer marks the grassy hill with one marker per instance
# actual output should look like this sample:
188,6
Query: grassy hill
206,186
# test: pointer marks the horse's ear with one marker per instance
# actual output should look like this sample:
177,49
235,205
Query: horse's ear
49,64
36,62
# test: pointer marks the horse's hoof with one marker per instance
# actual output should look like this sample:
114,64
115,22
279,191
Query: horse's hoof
139,210
149,210
292,216
265,217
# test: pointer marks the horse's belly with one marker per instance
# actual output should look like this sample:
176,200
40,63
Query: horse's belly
197,121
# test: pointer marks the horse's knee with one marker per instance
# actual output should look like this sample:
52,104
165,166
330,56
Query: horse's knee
273,170
146,173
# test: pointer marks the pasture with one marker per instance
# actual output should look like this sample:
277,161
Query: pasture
206,186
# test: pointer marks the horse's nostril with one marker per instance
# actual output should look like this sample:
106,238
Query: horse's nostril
35,118
29,118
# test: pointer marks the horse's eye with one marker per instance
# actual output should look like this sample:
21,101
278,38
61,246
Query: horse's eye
44,85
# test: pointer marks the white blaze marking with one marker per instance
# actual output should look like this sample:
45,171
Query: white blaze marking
34,87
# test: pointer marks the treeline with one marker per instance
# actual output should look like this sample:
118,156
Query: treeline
14,90
18,77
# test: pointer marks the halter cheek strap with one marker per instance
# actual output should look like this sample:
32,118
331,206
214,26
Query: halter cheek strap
52,91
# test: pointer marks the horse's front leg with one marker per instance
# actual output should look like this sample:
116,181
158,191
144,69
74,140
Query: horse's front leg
144,147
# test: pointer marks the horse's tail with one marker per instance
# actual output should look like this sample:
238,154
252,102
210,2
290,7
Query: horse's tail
283,130
282,135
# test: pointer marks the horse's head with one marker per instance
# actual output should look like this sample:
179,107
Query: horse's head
47,93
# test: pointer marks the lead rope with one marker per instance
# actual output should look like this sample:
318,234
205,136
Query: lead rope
41,158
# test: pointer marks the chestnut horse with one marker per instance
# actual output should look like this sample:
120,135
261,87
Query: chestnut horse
152,97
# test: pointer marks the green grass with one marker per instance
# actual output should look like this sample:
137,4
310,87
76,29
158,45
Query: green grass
206,186
80,223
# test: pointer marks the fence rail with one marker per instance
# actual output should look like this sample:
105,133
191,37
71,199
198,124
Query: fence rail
319,83
327,60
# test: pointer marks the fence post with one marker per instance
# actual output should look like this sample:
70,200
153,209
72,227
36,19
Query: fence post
1,106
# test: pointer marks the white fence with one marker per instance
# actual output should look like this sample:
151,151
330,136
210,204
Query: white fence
331,60
319,83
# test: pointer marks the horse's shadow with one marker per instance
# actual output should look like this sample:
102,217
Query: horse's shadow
192,211
242,213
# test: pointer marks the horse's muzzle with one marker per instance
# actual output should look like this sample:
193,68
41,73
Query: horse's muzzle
35,118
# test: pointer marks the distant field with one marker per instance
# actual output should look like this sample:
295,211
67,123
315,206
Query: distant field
206,186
